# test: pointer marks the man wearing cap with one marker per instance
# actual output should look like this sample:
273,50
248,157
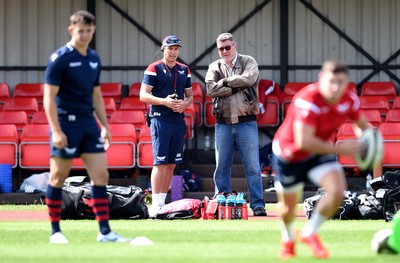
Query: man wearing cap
167,86
232,84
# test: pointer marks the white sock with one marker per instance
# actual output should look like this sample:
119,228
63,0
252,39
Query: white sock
287,232
312,226
155,198
161,198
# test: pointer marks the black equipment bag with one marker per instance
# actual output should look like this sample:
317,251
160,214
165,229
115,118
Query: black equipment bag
125,202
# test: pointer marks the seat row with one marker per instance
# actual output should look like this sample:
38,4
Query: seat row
32,150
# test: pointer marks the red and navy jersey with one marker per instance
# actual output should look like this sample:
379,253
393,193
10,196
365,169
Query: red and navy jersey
166,81
76,75
309,107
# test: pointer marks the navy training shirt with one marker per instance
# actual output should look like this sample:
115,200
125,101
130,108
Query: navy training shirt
162,79
76,75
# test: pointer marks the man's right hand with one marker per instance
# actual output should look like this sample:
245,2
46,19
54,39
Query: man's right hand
59,139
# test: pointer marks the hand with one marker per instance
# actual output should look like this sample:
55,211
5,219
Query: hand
177,105
59,139
106,136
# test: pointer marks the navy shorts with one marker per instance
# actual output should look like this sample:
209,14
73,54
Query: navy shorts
291,174
83,136
167,139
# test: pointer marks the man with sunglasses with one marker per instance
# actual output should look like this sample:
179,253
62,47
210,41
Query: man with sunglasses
232,84
167,86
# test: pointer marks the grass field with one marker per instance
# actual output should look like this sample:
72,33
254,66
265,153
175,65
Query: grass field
182,241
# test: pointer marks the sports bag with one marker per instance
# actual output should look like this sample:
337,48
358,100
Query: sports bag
124,202
186,208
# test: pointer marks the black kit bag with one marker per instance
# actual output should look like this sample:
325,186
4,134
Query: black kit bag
391,203
125,202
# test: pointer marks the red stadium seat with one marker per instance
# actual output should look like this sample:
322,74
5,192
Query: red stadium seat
268,88
121,153
190,115
289,90
391,136
271,115
29,105
18,118
346,133
132,103
145,150
386,88
34,147
373,116
8,144
39,117
109,105
29,90
113,89
380,103
393,115
269,96
198,101
134,89
4,94
135,117
209,119
396,103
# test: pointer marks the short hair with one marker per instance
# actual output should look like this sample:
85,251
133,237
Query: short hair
82,16
335,66
224,37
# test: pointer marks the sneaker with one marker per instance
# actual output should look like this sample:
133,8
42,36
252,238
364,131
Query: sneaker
314,243
259,211
58,238
153,210
287,250
112,237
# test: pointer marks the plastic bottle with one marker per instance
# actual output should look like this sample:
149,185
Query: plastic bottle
221,200
368,182
206,142
230,208
239,206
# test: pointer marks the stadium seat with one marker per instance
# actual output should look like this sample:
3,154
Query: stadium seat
29,90
34,147
346,133
4,94
209,119
8,144
396,103
135,117
39,117
198,101
134,89
18,118
144,147
269,88
132,103
289,90
391,136
393,115
29,105
270,118
385,88
112,89
121,153
109,105
190,115
269,96
373,116
380,103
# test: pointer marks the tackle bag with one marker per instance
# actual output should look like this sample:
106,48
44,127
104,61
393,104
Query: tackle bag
186,208
125,202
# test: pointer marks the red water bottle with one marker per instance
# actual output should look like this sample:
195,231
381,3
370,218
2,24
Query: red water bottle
221,207
245,215
230,208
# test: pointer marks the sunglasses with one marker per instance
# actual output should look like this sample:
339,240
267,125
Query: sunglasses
227,48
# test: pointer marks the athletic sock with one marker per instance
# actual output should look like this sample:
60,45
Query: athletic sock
161,199
54,206
155,200
312,226
287,232
101,208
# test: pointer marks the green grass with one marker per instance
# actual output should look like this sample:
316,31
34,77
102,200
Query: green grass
183,242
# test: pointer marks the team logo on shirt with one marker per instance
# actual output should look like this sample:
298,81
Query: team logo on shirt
54,57
182,72
70,151
75,64
343,107
165,71
93,65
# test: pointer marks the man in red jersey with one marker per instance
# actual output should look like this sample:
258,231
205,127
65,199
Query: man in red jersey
302,152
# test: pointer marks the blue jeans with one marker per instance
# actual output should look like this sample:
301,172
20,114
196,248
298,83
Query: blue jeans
245,137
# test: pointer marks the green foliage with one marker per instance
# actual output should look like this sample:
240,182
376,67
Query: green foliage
183,241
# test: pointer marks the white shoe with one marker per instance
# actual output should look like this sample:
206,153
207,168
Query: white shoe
112,237
58,238
153,210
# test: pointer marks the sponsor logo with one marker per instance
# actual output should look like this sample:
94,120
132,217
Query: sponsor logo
157,113
161,158
71,118
93,65
75,64
70,151
179,155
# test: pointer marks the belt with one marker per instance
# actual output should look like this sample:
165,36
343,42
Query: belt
236,119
